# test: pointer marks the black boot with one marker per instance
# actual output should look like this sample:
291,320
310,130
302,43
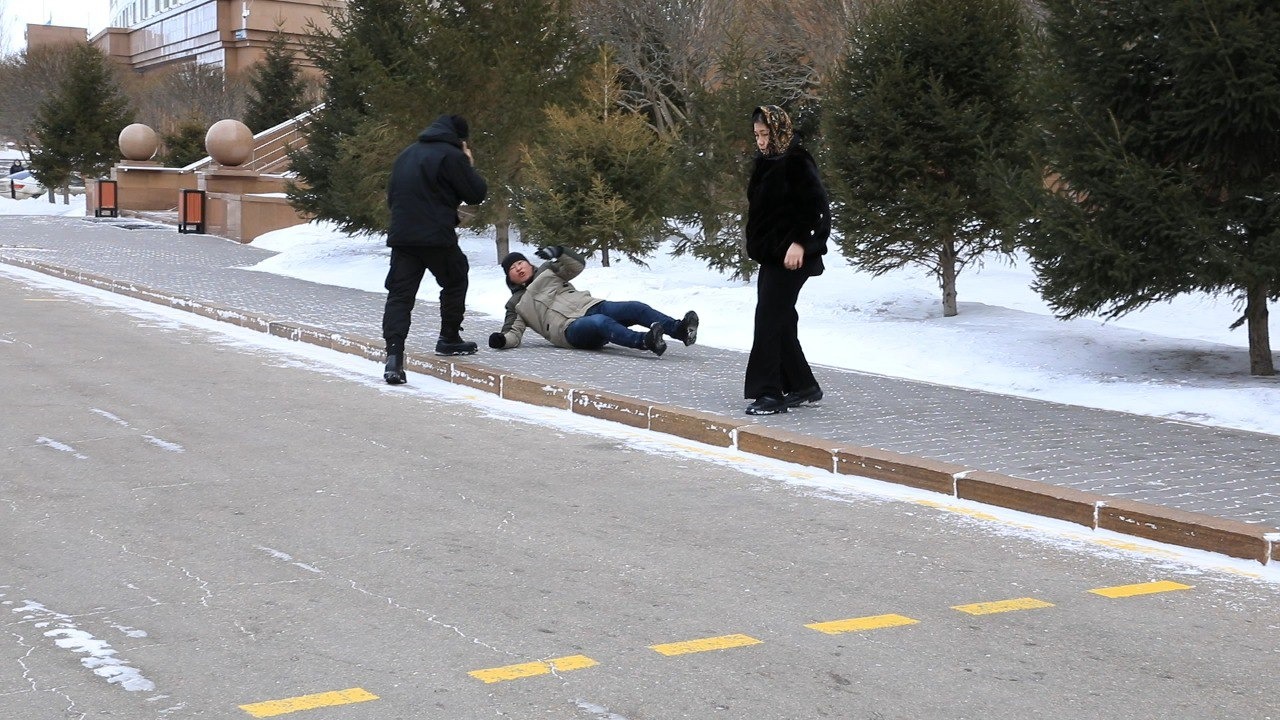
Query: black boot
394,373
688,332
767,405
796,398
653,340
453,344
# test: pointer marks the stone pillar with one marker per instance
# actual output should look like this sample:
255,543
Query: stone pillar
142,183
229,211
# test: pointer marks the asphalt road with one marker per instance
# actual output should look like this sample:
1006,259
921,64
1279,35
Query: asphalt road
197,529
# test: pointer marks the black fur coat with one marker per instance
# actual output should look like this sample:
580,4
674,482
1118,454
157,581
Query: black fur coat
787,203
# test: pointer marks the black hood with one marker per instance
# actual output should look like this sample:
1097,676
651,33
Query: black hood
445,129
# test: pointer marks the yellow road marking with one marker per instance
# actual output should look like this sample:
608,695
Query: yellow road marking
872,622
1120,591
271,708
1248,573
988,608
1135,547
530,669
724,642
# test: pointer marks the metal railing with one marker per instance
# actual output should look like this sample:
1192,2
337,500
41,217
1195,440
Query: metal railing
271,146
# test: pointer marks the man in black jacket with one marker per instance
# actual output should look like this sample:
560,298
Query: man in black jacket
429,180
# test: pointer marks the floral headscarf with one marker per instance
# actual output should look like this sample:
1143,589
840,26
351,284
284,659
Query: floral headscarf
779,124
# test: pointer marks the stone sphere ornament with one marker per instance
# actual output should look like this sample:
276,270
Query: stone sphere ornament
138,142
229,142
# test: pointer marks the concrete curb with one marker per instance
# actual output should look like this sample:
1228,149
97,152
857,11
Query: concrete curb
1153,522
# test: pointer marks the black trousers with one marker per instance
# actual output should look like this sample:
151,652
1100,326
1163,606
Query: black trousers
448,265
777,364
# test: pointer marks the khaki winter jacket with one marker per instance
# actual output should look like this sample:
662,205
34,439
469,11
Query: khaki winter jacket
548,303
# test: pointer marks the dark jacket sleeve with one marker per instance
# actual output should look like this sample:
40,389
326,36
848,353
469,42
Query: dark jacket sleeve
567,267
786,204
811,222
513,325
458,172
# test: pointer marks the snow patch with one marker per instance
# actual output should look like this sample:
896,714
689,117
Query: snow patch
286,557
597,710
60,447
113,418
101,657
164,444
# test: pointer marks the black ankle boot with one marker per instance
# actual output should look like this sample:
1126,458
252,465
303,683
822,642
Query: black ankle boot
796,398
688,333
653,340
394,373
454,345
767,405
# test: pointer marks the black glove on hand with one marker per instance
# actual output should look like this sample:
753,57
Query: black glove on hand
497,341
550,253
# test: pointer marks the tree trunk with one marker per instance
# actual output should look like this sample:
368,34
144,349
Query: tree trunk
502,234
604,257
1260,362
947,270
502,238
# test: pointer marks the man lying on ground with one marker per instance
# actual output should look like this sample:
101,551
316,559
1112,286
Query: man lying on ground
544,300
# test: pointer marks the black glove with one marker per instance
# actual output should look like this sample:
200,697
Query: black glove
497,341
550,253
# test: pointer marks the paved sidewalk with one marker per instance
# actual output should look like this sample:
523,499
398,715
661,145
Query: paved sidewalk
1225,473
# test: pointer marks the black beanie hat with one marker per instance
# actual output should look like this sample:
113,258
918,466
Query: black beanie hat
511,259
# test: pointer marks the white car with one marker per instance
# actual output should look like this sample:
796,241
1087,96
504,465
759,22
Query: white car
25,185
7,179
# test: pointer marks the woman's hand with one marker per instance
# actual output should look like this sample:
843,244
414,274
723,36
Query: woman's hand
794,257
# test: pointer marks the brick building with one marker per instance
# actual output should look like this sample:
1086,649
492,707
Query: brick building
231,34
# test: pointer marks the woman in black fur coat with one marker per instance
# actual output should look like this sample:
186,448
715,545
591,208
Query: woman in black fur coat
788,221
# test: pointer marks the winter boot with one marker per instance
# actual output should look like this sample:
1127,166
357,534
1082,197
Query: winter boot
653,340
688,331
394,373
453,344
767,405
797,398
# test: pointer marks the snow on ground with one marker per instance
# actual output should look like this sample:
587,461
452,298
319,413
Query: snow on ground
41,206
1174,360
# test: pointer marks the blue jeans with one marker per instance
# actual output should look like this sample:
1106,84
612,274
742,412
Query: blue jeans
608,322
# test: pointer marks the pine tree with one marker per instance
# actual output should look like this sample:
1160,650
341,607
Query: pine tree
597,181
392,66
77,128
1162,139
695,70
502,63
925,111
278,92
185,143
376,86
715,151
